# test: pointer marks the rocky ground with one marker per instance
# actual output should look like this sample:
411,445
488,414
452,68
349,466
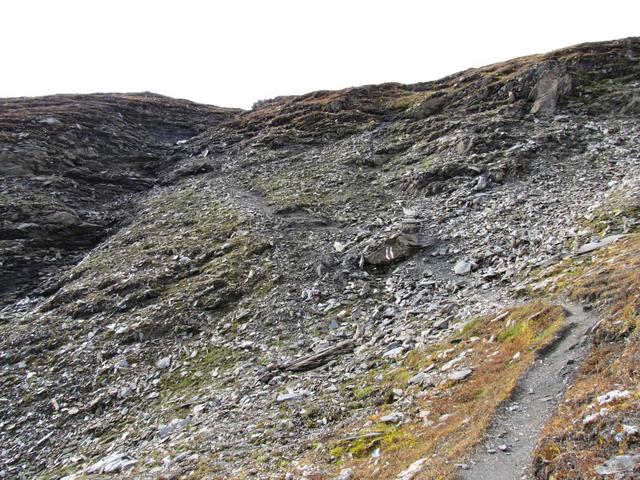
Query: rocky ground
196,292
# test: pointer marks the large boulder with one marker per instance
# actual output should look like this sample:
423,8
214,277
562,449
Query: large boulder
428,107
553,83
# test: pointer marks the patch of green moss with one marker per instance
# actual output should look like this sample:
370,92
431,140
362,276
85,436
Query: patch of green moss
365,392
337,452
306,188
533,327
399,377
512,331
382,435
470,329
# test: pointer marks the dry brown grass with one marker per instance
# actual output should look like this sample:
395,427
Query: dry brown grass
492,344
567,448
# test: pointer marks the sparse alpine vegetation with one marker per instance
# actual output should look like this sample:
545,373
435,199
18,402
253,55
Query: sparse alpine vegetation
429,281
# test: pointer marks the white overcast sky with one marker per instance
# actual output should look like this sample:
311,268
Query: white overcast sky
231,53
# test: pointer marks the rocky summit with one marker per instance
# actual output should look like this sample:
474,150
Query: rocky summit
437,280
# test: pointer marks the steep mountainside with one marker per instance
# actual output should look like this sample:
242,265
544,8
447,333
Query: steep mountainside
345,284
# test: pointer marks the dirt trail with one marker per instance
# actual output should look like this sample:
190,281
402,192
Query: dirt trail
293,218
506,452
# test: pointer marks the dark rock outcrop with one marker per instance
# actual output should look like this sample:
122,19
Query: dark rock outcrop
68,164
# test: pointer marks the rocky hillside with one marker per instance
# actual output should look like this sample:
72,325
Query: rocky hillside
67,166
380,282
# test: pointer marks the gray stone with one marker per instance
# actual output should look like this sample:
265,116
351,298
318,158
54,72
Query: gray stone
619,464
552,85
393,353
413,470
291,396
428,107
442,324
174,426
481,184
346,474
417,378
339,246
50,121
613,396
394,248
393,417
461,374
116,462
163,363
591,246
463,267
125,392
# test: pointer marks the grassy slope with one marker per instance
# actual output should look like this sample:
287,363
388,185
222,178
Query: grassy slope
569,447
451,417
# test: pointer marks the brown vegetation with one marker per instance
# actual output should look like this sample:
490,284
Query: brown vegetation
452,416
572,444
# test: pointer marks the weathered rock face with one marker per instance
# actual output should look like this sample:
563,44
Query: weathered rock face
67,167
552,85
165,264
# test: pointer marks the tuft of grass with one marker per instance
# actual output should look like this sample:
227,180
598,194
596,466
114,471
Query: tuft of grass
381,435
365,392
